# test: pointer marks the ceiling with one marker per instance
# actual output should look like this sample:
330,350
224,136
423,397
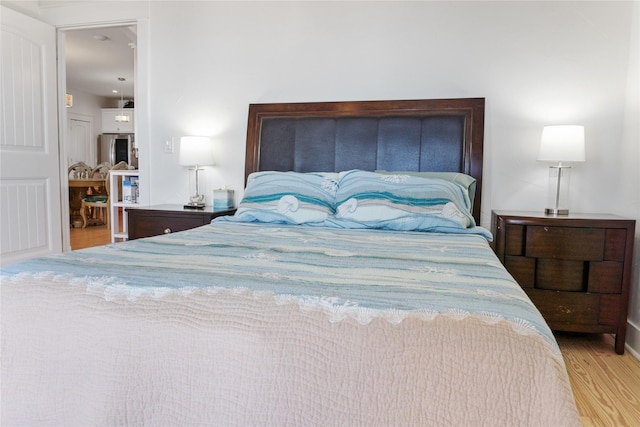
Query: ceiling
96,57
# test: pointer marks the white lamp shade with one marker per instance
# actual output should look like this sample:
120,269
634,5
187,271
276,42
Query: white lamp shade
196,151
563,143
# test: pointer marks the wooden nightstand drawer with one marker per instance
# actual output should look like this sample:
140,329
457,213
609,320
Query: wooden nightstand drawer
583,244
566,311
605,277
153,225
560,275
514,237
522,269
615,245
164,219
576,269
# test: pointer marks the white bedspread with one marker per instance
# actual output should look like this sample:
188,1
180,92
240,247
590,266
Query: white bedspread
78,350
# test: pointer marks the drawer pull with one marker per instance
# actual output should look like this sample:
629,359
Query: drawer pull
167,231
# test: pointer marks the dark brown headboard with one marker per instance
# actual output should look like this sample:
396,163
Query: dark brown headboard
443,135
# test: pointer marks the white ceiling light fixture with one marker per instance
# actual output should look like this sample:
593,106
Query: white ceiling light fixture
122,117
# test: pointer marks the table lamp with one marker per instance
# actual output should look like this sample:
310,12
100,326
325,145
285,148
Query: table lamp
562,143
196,151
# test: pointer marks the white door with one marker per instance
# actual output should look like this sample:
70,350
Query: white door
30,218
80,140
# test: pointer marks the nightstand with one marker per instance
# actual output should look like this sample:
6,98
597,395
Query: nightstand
164,219
575,268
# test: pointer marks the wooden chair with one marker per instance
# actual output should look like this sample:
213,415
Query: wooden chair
120,166
80,170
102,170
77,170
98,203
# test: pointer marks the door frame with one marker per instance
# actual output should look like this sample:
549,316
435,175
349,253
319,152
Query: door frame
141,96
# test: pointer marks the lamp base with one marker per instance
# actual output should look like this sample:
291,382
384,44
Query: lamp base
194,205
556,212
197,200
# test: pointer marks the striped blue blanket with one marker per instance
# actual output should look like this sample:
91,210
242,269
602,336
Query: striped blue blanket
355,273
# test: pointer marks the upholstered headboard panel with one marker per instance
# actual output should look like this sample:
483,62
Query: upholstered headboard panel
420,135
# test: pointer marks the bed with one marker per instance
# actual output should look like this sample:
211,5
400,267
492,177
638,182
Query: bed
353,287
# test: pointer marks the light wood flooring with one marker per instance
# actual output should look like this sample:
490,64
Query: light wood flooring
605,384
91,236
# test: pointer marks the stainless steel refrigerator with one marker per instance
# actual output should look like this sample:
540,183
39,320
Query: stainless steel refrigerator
115,148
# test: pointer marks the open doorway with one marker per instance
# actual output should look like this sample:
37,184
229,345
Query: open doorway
100,78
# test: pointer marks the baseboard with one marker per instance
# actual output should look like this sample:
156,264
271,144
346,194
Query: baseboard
632,343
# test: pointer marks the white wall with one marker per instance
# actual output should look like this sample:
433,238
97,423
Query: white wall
88,105
536,63
628,195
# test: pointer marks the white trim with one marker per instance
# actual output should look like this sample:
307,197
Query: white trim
632,343
142,79
62,146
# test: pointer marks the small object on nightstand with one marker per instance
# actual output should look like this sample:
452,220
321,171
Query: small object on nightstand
576,268
223,198
194,205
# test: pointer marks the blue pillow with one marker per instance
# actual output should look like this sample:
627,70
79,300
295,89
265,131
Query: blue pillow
288,197
402,202
467,181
